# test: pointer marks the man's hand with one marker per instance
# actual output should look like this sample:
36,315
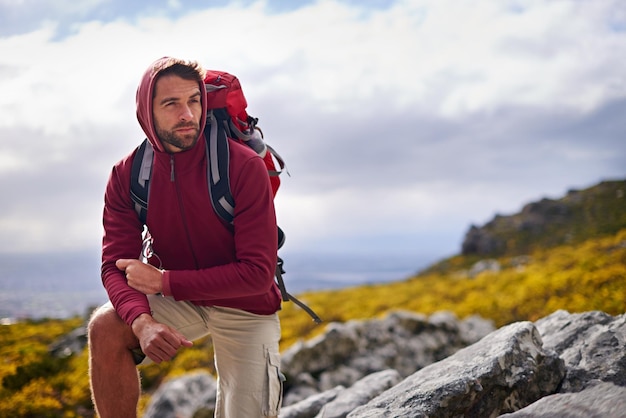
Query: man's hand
140,276
158,341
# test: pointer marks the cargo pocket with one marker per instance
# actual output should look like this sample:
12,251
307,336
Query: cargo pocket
273,390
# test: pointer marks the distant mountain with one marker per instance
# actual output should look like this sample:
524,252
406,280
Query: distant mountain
580,215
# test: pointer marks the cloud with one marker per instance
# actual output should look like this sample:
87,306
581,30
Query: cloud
401,124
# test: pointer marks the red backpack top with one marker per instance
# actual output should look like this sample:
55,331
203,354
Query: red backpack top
223,91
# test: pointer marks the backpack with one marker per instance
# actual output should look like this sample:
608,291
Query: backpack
227,119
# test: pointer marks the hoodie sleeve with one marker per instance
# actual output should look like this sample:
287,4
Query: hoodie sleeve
121,239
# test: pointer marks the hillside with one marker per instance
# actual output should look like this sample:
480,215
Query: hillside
580,215
568,253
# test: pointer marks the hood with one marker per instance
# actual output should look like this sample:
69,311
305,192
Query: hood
144,104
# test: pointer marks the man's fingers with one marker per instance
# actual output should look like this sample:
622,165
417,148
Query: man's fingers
167,346
182,340
122,263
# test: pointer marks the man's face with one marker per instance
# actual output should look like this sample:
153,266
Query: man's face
177,110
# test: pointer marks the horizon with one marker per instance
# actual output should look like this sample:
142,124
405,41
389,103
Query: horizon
59,284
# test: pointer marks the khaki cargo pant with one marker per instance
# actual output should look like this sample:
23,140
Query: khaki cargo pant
247,360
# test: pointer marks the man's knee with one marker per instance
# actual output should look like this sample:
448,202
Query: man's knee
105,327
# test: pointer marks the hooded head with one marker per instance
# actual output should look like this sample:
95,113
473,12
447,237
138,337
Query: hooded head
189,71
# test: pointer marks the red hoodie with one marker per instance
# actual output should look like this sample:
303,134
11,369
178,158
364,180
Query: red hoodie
207,261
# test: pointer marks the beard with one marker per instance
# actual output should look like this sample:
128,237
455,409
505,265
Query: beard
180,141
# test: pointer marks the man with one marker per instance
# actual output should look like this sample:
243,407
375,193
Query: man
205,276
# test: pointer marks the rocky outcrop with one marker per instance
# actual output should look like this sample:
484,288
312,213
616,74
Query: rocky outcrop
579,215
564,365
402,341
592,345
503,372
356,395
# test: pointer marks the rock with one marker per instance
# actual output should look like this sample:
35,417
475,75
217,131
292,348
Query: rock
503,372
403,341
563,366
482,242
184,397
482,266
359,393
338,343
72,343
604,400
310,407
592,345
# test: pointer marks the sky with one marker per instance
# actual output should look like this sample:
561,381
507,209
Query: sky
402,123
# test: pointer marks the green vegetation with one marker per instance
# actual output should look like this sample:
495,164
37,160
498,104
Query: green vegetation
580,215
578,275
35,384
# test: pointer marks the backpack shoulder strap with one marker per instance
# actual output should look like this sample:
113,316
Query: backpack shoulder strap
217,166
217,151
140,178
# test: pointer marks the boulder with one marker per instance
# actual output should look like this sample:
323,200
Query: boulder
359,394
310,407
592,345
184,397
505,371
402,341
602,400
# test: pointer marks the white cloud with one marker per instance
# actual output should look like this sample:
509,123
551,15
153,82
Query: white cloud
418,117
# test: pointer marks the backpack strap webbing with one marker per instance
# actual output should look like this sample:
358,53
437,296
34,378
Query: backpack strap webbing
279,159
289,297
140,178
217,164
281,283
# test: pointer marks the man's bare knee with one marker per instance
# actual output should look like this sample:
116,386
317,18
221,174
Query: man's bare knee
105,327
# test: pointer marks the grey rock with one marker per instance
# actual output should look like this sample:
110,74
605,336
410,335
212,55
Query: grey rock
321,353
184,397
604,400
403,341
72,343
482,241
592,345
310,407
503,372
488,265
300,387
340,376
564,366
360,393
